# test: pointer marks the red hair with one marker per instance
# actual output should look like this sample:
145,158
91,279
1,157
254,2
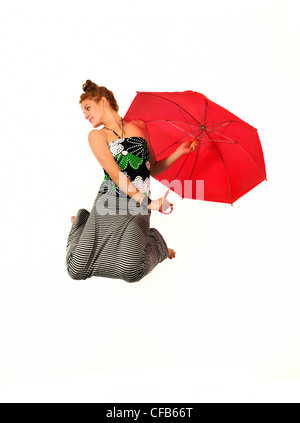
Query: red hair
94,92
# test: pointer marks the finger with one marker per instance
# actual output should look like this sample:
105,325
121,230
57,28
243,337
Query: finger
166,206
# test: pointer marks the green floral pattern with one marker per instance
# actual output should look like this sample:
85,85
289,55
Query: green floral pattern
124,159
132,156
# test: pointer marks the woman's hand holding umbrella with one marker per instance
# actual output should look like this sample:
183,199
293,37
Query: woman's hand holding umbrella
188,146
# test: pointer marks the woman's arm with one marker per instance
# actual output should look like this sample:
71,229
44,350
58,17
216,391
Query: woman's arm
184,148
164,164
102,153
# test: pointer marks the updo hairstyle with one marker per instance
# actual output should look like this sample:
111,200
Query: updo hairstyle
94,92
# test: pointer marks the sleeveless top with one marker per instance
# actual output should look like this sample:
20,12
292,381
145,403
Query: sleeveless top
132,156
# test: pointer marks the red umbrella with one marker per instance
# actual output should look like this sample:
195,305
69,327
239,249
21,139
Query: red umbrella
228,158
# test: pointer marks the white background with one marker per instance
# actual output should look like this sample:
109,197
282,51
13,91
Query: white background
221,322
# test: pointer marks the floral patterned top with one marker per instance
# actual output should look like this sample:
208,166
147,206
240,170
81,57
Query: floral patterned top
133,159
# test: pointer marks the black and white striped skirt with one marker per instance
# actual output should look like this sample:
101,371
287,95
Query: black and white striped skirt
113,241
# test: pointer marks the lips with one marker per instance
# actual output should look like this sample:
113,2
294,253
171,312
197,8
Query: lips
91,119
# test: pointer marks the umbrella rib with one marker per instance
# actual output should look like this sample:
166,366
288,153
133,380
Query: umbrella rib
180,128
225,136
225,168
243,148
170,120
183,163
225,121
227,142
201,142
204,112
184,118
177,142
220,126
171,145
185,137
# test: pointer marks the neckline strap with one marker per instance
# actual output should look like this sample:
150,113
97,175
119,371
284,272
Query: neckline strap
115,131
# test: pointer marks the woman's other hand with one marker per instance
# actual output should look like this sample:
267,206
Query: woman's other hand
161,204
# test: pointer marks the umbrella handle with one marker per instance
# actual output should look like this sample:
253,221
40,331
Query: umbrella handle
168,212
165,196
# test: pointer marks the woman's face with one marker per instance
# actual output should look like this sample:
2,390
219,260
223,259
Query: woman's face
93,112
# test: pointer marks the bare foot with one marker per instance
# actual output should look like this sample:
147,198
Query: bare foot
171,253
72,219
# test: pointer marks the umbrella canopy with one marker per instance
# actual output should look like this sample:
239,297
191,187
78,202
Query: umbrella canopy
229,157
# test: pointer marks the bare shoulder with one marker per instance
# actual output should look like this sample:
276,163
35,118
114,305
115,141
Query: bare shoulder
95,135
139,123
140,128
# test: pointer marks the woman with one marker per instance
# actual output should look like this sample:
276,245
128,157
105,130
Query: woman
115,240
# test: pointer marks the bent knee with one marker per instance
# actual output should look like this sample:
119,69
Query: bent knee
132,279
76,274
132,276
75,269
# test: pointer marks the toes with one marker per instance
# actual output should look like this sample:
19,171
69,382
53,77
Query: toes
172,254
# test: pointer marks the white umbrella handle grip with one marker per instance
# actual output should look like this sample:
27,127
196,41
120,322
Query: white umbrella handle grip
165,196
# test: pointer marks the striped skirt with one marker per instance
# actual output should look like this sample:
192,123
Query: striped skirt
113,241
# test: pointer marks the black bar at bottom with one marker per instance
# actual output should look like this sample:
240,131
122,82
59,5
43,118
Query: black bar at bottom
144,412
